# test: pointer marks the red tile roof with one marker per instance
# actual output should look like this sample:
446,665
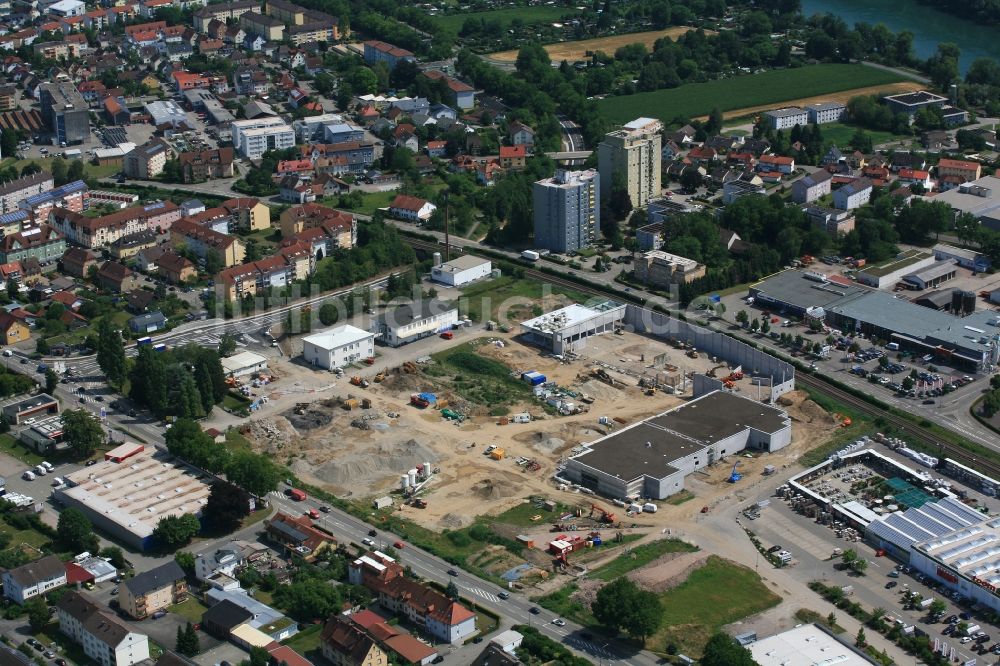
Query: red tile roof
513,151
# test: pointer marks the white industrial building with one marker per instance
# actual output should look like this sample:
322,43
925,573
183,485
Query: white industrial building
651,458
462,271
253,138
568,328
127,499
338,347
244,363
166,112
805,644
411,322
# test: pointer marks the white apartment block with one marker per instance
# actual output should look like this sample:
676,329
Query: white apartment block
34,578
826,112
634,152
104,638
338,347
781,119
253,138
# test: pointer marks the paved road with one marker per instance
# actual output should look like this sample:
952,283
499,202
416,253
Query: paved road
480,592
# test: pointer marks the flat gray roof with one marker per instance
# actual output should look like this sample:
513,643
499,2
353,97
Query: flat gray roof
794,288
934,271
650,447
897,314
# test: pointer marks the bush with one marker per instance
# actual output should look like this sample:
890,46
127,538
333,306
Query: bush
459,539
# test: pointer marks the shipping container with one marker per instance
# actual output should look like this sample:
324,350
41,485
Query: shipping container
533,378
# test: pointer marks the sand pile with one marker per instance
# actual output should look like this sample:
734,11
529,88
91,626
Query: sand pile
452,521
373,462
801,408
270,435
600,391
667,571
496,489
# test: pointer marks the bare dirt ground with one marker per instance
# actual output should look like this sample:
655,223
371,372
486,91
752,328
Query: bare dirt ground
578,50
843,97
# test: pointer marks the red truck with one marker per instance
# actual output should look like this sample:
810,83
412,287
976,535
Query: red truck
297,495
313,513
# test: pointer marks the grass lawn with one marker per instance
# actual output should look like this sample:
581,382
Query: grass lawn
91,170
191,610
371,202
479,379
841,133
12,447
522,514
306,641
714,595
771,87
234,440
529,15
256,517
508,300
560,603
234,403
640,556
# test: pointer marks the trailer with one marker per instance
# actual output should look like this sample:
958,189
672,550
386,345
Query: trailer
530,255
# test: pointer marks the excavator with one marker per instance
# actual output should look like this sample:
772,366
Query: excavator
606,516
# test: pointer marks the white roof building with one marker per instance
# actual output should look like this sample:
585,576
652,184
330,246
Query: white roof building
166,112
805,644
244,363
129,498
567,328
461,271
338,347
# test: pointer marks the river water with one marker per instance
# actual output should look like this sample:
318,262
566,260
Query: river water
929,26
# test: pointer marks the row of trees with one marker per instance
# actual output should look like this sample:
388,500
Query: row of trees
186,381
255,473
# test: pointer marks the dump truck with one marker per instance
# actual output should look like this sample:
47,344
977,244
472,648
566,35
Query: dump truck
452,415
358,381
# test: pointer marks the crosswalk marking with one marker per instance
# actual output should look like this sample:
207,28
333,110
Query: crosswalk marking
484,594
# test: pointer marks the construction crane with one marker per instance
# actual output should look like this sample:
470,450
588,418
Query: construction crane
606,516
735,476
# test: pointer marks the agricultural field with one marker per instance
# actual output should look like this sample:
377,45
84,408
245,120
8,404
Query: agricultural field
578,50
756,92
527,15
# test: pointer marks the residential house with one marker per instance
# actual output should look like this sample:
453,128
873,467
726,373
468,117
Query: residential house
443,618
916,177
153,590
412,209
436,148
376,51
297,219
12,331
779,163
344,643
201,241
521,135
247,214
176,269
702,155
99,232
811,187
298,535
207,164
117,277
296,189
127,247
223,617
139,301
42,243
513,157
957,172
103,637
147,323
34,578
459,93
853,195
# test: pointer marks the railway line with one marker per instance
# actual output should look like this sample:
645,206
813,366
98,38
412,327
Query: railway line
905,427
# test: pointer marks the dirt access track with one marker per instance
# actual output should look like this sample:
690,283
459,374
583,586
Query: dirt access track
578,50
844,97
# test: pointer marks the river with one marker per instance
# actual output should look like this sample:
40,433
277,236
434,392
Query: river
929,26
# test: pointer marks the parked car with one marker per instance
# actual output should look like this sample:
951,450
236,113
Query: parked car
158,614
504,595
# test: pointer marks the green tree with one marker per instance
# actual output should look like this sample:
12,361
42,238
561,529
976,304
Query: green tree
329,313
58,170
259,657
452,590
82,432
76,171
111,352
226,507
172,172
213,262
51,381
937,607
185,561
861,640
723,650
622,605
75,532
114,555
742,317
187,641
38,614
227,345
254,473
172,532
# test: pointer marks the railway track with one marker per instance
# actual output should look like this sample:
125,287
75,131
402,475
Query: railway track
905,427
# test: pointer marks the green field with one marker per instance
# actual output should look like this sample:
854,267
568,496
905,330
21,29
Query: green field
371,202
841,134
509,300
640,556
772,87
714,595
529,15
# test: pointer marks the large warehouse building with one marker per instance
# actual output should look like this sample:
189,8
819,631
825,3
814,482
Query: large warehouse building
568,328
965,560
964,342
127,499
651,459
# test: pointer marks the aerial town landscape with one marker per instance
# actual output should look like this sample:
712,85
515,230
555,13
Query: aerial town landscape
499,332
